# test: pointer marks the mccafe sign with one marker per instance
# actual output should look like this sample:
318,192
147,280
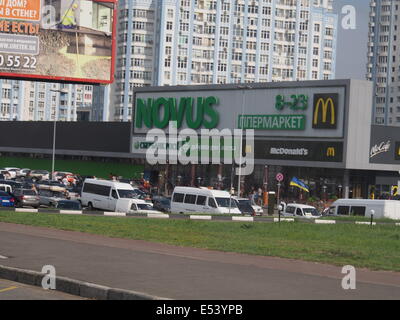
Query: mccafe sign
379,148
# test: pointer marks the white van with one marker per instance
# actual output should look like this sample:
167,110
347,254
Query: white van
104,194
301,210
202,200
359,207
136,206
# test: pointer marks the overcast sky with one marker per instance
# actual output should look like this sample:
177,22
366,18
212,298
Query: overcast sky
352,44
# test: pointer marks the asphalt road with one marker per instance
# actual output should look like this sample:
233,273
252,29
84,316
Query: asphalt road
183,273
18,291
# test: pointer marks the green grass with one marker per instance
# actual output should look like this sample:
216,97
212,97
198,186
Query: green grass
376,248
359,218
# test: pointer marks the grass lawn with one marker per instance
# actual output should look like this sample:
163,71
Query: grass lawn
376,248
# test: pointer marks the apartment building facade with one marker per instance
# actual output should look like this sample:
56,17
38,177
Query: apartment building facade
41,101
383,66
182,42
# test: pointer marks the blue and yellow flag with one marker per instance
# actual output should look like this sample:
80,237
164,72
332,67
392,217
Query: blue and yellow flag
299,184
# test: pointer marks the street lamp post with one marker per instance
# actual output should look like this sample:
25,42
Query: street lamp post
64,90
241,138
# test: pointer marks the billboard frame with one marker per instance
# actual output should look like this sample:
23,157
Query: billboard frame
34,77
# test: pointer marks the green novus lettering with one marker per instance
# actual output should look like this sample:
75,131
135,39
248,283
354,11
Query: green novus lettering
143,113
156,114
159,112
194,124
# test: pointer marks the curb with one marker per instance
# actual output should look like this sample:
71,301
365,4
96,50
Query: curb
194,217
74,287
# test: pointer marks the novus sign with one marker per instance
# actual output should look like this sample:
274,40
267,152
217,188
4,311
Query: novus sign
272,111
195,112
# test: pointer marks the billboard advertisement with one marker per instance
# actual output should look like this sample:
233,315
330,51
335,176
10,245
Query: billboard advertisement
296,112
58,40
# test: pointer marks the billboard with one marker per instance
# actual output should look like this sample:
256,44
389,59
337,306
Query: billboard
296,112
58,40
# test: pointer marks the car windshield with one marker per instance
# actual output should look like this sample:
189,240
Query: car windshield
245,201
127,194
145,206
311,211
226,202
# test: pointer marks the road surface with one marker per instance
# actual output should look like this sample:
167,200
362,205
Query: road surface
183,273
17,291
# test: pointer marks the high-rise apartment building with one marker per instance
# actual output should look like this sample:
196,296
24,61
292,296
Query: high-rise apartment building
41,101
384,61
183,42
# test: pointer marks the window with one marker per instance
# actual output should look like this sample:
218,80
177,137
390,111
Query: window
299,212
358,211
114,194
343,210
190,199
211,203
178,197
96,189
201,200
290,209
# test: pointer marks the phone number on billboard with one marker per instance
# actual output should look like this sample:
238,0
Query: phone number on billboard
24,62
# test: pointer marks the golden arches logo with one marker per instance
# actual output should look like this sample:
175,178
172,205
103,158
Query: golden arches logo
325,104
331,152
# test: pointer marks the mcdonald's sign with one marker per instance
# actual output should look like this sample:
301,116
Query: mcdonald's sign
325,111
331,152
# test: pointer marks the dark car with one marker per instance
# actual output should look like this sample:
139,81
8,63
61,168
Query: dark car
162,204
6,200
26,197
14,185
68,205
245,208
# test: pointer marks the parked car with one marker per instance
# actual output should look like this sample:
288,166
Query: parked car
136,206
24,172
6,175
6,199
13,171
245,207
74,193
301,210
14,184
58,175
26,197
162,204
68,205
39,175
49,198
247,202
363,207
105,194
202,200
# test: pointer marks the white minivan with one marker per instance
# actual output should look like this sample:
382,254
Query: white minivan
360,207
301,210
135,206
104,194
202,200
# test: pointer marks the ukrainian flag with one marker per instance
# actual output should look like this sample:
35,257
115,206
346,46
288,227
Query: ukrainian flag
299,184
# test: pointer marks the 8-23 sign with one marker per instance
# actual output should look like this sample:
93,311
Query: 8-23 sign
296,102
